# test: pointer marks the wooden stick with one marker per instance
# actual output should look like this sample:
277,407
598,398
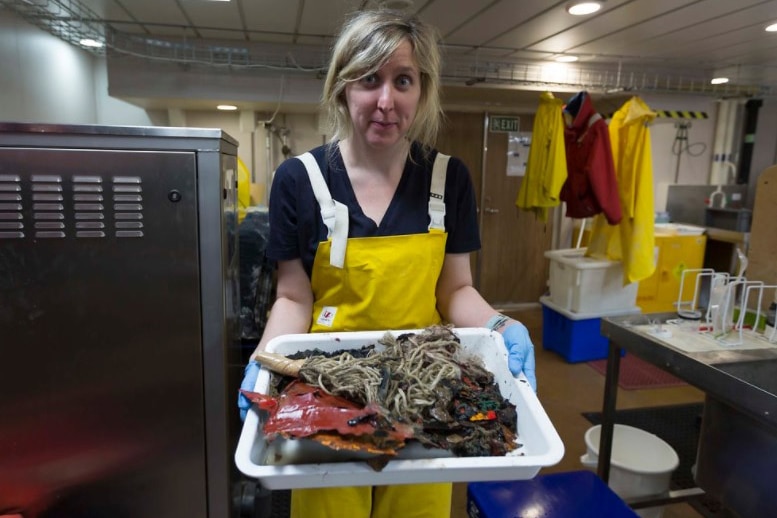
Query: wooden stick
279,363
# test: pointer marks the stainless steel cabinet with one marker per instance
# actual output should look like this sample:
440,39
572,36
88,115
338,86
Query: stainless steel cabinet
118,328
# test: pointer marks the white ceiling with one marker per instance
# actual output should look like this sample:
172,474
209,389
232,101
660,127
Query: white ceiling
665,45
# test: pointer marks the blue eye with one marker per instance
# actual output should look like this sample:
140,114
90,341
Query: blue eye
404,81
370,79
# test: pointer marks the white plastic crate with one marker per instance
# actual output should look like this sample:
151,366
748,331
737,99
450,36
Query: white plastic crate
288,464
588,285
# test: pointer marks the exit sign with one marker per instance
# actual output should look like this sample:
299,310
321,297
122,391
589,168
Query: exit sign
504,124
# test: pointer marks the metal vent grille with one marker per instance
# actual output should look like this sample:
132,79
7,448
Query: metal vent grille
48,210
11,224
88,206
128,206
90,212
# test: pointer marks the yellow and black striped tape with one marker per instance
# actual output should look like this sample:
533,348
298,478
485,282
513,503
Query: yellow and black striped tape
673,114
681,114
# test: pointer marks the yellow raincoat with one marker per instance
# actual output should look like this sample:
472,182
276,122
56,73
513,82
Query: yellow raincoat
546,167
632,240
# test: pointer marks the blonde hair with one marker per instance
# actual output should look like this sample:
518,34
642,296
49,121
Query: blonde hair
366,41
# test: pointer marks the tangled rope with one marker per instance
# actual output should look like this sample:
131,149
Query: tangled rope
405,378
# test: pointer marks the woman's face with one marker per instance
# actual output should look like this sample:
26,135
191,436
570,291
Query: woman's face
383,105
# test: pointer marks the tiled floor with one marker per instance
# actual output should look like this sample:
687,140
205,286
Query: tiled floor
565,391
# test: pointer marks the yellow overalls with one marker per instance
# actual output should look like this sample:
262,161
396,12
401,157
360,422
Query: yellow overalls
381,283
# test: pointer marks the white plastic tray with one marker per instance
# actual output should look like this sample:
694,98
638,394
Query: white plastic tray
304,463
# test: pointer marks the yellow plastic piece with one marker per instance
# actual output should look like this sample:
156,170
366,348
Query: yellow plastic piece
674,254
243,190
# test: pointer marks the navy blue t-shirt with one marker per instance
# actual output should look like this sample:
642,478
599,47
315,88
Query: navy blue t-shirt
296,227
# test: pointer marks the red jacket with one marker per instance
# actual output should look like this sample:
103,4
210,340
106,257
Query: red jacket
591,187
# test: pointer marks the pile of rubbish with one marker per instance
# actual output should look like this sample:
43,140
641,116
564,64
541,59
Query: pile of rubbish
417,386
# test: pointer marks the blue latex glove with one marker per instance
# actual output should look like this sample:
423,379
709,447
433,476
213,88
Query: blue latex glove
250,374
520,352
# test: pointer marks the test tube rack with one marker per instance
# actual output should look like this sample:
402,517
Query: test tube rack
726,293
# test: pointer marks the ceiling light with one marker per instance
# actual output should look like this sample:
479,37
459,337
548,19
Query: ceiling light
226,107
583,8
89,42
566,59
771,28
718,80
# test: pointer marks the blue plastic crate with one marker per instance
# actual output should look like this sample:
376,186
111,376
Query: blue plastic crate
574,494
575,337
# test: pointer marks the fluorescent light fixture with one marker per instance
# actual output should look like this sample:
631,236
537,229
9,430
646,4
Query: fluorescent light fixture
226,107
583,8
554,73
566,59
89,42
771,28
718,80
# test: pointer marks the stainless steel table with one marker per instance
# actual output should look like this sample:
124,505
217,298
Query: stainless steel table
741,387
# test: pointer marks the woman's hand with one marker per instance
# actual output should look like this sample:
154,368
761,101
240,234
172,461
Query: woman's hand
520,352
250,374
290,313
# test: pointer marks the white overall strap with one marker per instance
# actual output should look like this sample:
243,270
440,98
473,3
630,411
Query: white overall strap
334,213
437,193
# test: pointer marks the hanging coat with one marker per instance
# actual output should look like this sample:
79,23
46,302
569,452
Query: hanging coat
590,188
546,168
632,241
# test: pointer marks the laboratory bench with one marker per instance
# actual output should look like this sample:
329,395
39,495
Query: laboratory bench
738,438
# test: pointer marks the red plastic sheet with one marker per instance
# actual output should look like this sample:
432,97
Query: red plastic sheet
302,410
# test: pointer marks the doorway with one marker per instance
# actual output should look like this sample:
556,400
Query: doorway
511,270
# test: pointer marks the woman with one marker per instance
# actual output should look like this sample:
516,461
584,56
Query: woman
373,230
